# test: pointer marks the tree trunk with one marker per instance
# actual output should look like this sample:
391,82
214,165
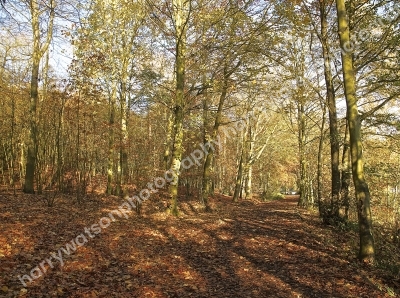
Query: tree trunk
239,176
168,141
60,146
180,6
346,177
367,246
176,159
333,124
37,54
207,170
123,154
123,169
248,187
111,141
32,143
249,164
13,174
321,204
304,194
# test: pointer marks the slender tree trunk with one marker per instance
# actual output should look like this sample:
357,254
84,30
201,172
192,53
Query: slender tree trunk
60,146
176,160
111,141
249,164
304,195
13,145
123,141
124,151
367,246
78,152
37,54
168,141
180,9
333,123
346,176
207,169
320,163
224,186
248,187
32,141
123,127
239,176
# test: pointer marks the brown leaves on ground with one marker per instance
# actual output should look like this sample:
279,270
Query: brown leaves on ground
245,249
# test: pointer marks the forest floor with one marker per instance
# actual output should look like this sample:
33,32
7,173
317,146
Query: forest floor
244,249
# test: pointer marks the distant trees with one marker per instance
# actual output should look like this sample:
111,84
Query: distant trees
107,51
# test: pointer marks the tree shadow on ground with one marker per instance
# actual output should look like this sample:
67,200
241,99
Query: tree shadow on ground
245,249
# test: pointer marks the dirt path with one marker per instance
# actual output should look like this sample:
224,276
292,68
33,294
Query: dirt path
248,249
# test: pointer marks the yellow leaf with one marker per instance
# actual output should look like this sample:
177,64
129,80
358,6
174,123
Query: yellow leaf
23,291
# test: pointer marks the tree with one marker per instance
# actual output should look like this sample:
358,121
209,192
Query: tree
181,10
324,8
231,61
363,197
39,48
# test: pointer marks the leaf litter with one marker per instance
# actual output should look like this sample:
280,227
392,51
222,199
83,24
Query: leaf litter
244,249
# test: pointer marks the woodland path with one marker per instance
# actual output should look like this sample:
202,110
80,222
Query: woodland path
245,249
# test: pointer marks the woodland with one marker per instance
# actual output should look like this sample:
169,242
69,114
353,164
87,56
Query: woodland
246,148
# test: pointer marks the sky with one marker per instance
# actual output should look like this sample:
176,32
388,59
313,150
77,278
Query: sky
16,35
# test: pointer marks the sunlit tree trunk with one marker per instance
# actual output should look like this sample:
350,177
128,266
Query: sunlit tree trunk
123,147
248,186
254,153
111,140
239,178
303,187
367,246
240,174
123,136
